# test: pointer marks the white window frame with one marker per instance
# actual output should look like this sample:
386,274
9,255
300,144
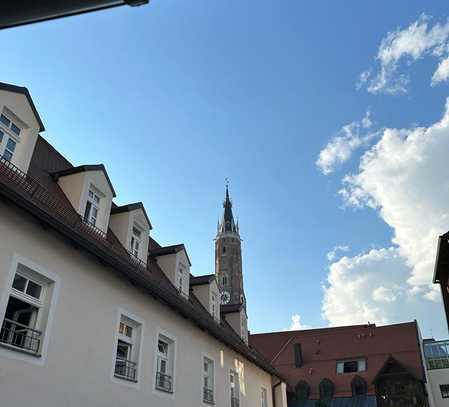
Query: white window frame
361,362
94,201
181,278
263,397
164,334
50,304
205,356
136,240
236,375
8,134
138,326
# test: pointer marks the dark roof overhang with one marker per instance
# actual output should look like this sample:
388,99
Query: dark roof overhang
442,259
84,168
229,308
131,207
24,91
201,280
15,13
164,251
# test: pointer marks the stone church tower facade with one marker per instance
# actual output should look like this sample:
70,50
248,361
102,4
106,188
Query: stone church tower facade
228,257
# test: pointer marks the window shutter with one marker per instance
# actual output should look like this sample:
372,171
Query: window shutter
298,355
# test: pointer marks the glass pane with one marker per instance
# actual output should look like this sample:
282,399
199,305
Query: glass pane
7,155
19,282
162,347
129,331
15,129
34,289
11,145
137,232
123,350
5,120
1,136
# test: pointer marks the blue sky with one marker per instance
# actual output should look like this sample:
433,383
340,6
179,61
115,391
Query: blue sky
175,96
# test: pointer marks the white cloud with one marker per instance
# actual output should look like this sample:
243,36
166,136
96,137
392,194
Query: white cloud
419,39
442,72
332,255
297,324
405,177
340,148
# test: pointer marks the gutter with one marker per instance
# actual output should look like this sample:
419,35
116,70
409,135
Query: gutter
273,390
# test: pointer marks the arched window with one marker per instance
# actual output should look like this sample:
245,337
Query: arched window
224,249
302,391
358,386
326,390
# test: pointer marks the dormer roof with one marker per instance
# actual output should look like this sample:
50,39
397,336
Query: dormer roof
201,280
229,308
84,168
176,248
24,91
131,207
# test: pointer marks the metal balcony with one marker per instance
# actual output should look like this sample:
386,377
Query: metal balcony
437,354
164,382
20,336
208,395
126,369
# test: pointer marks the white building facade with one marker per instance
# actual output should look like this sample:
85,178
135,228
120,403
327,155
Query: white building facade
436,355
93,311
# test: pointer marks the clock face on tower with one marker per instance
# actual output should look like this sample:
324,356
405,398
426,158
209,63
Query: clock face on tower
225,297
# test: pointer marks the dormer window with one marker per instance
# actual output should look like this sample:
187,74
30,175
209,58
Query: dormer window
180,278
9,136
136,240
92,208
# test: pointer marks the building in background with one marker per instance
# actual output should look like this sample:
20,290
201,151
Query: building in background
441,273
361,365
94,311
436,355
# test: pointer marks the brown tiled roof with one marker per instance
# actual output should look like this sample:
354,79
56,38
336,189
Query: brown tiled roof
200,280
38,194
322,347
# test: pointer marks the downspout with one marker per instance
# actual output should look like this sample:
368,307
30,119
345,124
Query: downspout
273,389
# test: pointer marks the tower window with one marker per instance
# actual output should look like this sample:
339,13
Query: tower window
224,249
224,280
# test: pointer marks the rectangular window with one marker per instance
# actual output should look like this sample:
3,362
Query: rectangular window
213,304
235,388
444,388
23,326
181,278
298,355
164,364
7,141
135,241
92,208
263,397
127,351
208,380
351,366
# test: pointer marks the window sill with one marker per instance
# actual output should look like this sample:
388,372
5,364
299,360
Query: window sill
125,378
20,350
164,390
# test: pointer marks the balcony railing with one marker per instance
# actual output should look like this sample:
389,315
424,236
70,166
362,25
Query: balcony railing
164,382
126,369
20,336
437,354
235,402
208,395
34,191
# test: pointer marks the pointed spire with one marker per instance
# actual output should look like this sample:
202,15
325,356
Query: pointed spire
227,223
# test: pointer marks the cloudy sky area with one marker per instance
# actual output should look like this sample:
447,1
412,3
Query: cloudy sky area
331,121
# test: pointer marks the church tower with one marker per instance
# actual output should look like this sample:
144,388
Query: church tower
228,257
